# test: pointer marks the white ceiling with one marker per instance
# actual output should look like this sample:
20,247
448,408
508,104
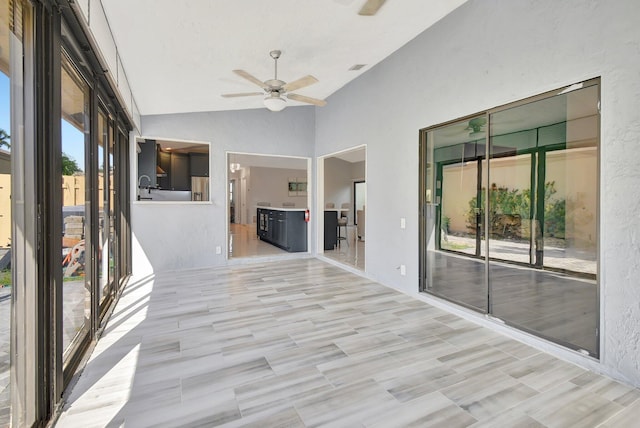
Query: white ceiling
179,54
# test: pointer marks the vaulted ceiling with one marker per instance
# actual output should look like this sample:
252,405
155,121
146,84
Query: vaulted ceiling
179,54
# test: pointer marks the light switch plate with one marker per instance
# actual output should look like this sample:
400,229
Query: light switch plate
218,249
403,223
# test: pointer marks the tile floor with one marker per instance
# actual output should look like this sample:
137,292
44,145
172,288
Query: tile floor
304,343
351,254
244,242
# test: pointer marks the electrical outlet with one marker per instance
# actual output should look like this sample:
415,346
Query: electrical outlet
403,223
218,249
403,270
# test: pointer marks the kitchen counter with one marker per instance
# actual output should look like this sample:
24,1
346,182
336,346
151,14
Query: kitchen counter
283,227
281,208
164,195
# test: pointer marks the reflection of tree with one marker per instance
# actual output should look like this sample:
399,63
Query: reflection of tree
69,165
509,207
5,139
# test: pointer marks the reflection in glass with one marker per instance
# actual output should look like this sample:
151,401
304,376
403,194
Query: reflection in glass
109,214
543,216
6,280
570,213
540,192
76,304
103,209
454,220
510,208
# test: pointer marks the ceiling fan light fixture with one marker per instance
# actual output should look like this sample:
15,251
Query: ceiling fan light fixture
275,103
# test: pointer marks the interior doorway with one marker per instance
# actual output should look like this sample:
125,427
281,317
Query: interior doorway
342,206
258,181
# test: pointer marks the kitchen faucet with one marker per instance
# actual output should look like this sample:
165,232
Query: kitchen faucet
143,176
140,187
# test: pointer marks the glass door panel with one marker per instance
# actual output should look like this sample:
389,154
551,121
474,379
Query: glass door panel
103,208
5,213
110,213
453,233
76,305
542,217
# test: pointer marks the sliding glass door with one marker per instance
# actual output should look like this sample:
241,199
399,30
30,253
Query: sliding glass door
454,213
534,195
76,306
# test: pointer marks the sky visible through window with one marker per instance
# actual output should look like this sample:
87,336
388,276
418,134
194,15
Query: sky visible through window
5,104
72,138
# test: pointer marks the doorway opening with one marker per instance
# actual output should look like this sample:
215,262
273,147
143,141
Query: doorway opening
342,200
259,182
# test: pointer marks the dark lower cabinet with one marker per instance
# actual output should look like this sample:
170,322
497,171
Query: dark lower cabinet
330,230
284,229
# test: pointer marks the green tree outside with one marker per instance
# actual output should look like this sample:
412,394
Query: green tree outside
69,165
5,139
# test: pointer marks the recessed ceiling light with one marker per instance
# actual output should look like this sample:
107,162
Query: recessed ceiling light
357,67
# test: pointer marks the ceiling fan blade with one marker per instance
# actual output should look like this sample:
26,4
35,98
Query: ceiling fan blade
308,100
250,78
371,7
242,94
300,83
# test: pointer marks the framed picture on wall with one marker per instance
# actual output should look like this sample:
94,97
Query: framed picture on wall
293,187
297,187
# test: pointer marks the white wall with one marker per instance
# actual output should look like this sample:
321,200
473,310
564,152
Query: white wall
337,181
485,54
272,185
174,236
93,17
339,176
358,171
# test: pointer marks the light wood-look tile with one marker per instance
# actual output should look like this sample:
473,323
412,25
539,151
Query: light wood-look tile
300,343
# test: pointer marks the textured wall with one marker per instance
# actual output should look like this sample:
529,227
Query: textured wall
485,54
172,235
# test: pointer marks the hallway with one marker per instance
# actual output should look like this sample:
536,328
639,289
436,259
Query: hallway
304,343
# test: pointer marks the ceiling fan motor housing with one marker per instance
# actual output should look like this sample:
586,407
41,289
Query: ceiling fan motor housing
274,84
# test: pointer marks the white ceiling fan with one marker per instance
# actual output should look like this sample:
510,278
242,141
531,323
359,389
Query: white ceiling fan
276,89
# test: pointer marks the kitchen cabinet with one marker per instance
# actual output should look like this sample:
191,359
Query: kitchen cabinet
147,164
330,229
199,164
180,177
284,228
164,162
